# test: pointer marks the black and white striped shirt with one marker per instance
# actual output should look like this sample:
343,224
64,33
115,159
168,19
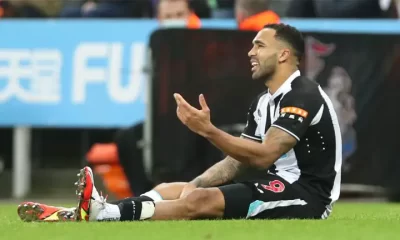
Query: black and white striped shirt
301,108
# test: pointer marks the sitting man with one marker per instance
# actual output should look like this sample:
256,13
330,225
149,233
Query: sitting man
292,132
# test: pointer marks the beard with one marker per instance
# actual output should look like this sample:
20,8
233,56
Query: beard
263,74
265,70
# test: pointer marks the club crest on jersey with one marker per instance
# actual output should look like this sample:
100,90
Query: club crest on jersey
294,110
284,156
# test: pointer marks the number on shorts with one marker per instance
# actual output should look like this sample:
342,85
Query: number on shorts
275,186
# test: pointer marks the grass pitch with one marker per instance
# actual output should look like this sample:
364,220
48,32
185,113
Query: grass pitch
350,221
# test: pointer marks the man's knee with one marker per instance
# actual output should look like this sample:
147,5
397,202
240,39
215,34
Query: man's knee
162,185
205,203
170,191
170,186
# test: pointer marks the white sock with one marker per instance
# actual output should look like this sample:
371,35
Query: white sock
110,212
153,194
148,209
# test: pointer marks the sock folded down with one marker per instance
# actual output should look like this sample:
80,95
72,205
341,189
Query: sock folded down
136,210
153,194
130,199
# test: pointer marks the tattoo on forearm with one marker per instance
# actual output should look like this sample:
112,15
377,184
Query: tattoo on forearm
220,173
229,168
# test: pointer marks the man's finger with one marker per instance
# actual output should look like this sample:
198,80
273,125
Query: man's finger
176,98
183,104
203,103
180,116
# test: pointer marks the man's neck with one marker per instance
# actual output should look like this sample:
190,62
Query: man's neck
278,79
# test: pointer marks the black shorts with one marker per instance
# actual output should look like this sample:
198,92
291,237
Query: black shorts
270,198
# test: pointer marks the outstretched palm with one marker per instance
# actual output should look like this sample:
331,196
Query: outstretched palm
196,120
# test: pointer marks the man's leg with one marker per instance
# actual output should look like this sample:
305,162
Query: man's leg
227,202
163,191
199,204
269,198
230,201
37,212
168,191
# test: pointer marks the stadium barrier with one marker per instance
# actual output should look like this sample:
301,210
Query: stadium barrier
90,74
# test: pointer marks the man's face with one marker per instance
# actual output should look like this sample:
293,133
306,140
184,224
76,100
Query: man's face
173,10
264,54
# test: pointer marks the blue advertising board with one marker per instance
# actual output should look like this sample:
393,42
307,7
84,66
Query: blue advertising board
89,73
75,73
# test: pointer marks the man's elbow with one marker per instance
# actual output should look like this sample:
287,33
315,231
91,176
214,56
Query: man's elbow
266,159
262,163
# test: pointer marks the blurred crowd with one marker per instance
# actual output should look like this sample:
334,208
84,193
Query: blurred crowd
192,10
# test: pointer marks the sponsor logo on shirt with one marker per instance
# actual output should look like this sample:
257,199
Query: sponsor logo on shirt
295,110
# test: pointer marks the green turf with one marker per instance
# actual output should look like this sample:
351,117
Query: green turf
350,221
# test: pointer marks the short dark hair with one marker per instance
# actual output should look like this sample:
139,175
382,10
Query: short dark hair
290,35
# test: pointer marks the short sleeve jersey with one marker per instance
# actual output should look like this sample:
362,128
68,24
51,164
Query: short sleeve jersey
302,109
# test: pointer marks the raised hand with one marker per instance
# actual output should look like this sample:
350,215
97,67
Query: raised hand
196,120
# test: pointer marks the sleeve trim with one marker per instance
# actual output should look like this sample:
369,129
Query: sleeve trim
251,137
284,129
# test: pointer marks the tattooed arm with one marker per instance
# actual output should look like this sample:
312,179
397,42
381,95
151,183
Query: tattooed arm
277,142
220,173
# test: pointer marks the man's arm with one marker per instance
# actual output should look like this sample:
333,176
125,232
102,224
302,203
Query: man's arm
277,142
229,168
279,139
220,173
299,110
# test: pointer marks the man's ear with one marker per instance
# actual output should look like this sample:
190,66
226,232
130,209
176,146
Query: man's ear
284,55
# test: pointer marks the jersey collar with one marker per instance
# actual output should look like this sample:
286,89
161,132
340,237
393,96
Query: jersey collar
284,87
